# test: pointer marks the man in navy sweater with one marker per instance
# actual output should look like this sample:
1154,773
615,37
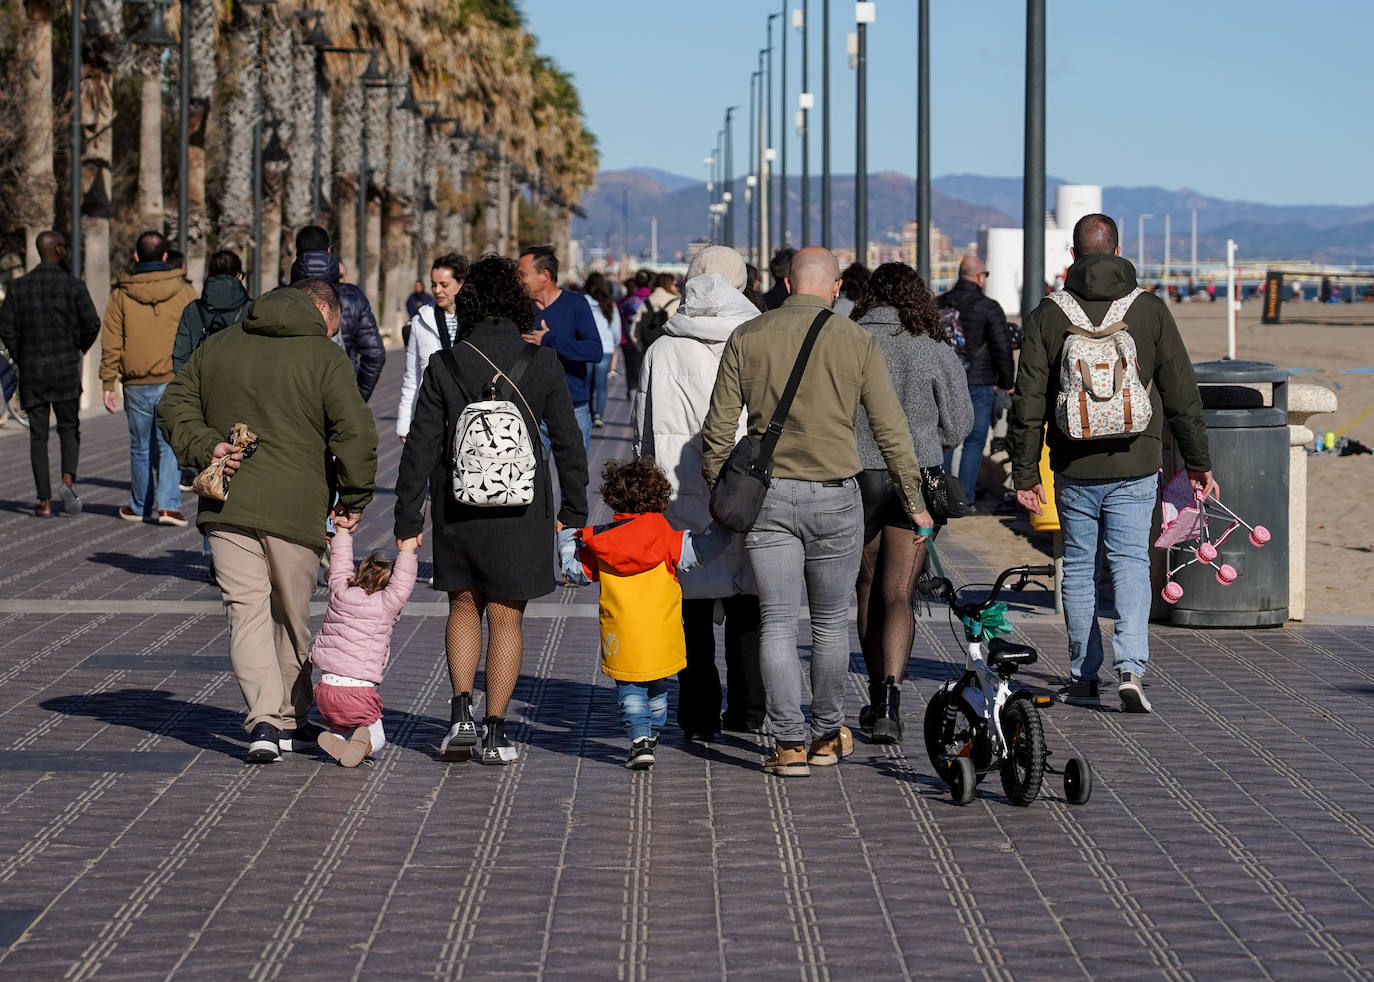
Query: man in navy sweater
565,325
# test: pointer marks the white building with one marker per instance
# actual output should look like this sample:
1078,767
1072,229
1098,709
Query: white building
1001,248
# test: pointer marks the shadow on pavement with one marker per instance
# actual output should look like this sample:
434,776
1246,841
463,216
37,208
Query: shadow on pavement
183,563
156,711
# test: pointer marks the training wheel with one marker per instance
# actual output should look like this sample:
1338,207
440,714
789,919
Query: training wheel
1226,574
1078,781
1259,535
961,780
1206,552
1172,592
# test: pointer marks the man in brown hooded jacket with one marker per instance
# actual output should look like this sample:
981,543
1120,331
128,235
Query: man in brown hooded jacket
136,339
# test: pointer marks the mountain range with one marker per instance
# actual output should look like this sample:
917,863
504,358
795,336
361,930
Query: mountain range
961,204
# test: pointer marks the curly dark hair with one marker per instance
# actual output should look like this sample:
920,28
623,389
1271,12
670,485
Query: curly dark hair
854,280
492,289
635,487
899,286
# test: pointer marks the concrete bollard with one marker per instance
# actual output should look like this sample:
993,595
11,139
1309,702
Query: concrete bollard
1304,401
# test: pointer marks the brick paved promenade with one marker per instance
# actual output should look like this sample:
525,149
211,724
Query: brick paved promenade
1230,835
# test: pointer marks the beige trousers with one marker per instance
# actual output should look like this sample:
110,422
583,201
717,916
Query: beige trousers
267,583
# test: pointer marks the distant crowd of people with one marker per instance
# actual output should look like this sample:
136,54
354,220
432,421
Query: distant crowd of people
508,375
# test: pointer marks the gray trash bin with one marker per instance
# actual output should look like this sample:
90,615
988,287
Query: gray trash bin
1245,406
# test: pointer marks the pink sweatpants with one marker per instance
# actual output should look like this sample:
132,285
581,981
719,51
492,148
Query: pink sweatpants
345,707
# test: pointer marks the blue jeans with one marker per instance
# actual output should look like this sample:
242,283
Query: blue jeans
807,532
140,408
1118,512
971,460
582,412
643,707
596,381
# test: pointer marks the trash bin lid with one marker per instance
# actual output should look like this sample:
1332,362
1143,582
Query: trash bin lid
1226,372
1228,399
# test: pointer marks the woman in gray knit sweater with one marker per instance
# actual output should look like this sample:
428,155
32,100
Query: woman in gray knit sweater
899,310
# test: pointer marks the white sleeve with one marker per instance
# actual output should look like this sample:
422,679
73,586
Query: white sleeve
410,382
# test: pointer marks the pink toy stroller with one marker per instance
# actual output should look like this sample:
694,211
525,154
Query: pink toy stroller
1186,533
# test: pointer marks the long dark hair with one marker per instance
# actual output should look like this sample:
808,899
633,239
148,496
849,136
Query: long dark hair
899,286
492,289
597,288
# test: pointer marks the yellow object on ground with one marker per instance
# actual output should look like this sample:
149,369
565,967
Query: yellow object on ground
1049,521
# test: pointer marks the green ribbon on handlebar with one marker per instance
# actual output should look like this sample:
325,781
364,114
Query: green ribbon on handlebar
988,624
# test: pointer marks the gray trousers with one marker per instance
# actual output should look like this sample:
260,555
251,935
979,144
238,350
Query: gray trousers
267,583
808,532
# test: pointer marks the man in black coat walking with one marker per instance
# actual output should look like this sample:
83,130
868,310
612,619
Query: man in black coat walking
987,351
48,322
358,334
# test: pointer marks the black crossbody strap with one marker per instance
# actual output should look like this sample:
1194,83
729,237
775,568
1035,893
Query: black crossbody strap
449,360
769,442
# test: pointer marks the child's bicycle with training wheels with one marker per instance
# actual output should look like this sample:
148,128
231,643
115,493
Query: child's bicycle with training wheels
978,722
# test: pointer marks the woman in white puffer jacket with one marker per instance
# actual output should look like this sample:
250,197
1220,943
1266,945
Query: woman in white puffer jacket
446,279
675,384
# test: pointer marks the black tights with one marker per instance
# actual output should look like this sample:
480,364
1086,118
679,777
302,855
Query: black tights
505,644
891,562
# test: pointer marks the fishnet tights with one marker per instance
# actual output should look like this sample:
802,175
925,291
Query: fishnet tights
888,568
505,643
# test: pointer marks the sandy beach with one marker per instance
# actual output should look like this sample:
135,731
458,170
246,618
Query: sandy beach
1324,344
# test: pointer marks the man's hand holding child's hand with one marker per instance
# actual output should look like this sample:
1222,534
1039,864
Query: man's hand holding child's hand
411,544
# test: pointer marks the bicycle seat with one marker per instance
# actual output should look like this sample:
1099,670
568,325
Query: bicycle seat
1008,656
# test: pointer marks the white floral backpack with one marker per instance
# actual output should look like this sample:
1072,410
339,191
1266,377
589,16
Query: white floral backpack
1101,395
494,463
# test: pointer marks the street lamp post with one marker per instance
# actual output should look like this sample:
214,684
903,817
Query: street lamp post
156,35
422,192
317,191
923,230
864,14
372,78
1140,244
1033,192
825,124
74,240
751,180
728,179
769,101
760,143
804,102
782,132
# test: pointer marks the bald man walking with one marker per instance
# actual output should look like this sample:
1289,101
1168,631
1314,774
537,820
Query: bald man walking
987,351
47,323
810,529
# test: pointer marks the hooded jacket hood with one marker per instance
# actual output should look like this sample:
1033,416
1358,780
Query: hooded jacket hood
320,264
711,309
634,544
153,288
285,313
1100,277
224,294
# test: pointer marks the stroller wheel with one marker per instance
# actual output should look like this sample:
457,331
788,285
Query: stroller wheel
1078,781
961,780
1259,535
1172,592
1226,574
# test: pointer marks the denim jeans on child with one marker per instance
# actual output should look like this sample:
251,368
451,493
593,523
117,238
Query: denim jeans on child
145,439
809,531
1117,512
643,707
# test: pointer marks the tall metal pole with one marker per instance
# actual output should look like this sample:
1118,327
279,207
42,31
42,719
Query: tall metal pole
1033,195
624,232
1140,245
1192,268
761,185
749,139
923,140
769,101
861,149
728,195
74,240
184,140
316,193
362,199
805,132
825,124
1168,230
782,132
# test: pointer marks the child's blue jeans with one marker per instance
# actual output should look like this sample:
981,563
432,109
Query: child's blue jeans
643,707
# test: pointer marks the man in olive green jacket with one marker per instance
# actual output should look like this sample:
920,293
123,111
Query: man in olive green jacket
279,373
1105,488
811,524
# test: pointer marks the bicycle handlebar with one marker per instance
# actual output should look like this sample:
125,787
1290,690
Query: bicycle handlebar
951,596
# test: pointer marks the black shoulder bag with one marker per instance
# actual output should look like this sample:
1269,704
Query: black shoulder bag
738,495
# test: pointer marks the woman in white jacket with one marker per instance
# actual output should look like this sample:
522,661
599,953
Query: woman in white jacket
675,384
445,280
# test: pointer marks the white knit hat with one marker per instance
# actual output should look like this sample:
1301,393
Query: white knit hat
723,260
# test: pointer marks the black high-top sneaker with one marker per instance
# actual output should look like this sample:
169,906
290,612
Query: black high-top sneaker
869,714
887,728
496,749
462,731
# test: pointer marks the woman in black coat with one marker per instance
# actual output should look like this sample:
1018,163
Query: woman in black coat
489,560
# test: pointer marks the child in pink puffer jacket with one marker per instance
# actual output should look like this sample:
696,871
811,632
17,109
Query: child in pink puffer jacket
354,644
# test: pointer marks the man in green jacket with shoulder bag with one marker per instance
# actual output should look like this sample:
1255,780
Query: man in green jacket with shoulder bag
1104,365
279,374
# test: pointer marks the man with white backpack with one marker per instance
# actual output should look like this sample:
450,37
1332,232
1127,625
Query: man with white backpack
1104,366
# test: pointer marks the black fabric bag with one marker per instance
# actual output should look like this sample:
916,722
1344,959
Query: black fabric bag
944,495
742,483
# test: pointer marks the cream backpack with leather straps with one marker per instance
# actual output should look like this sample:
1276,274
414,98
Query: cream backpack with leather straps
1101,395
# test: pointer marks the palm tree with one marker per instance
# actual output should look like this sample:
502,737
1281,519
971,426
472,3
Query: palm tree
39,192
236,193
103,33
152,214
204,47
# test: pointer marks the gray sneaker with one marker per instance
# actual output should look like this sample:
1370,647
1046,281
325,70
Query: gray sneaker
1132,692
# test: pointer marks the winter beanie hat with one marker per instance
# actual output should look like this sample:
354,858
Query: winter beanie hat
720,259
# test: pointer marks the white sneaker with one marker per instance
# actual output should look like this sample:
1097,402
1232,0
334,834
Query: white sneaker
1132,694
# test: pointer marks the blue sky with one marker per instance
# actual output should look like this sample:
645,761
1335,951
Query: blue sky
1259,100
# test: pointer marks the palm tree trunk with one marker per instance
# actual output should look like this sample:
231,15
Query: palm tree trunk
204,23
503,204
38,197
102,31
152,214
491,204
562,235
296,122
376,109
236,197
273,195
347,142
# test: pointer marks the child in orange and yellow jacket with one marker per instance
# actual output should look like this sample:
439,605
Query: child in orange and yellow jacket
636,558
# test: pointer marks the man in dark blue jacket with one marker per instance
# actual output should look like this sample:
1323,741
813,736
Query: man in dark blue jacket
358,333
987,347
566,325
